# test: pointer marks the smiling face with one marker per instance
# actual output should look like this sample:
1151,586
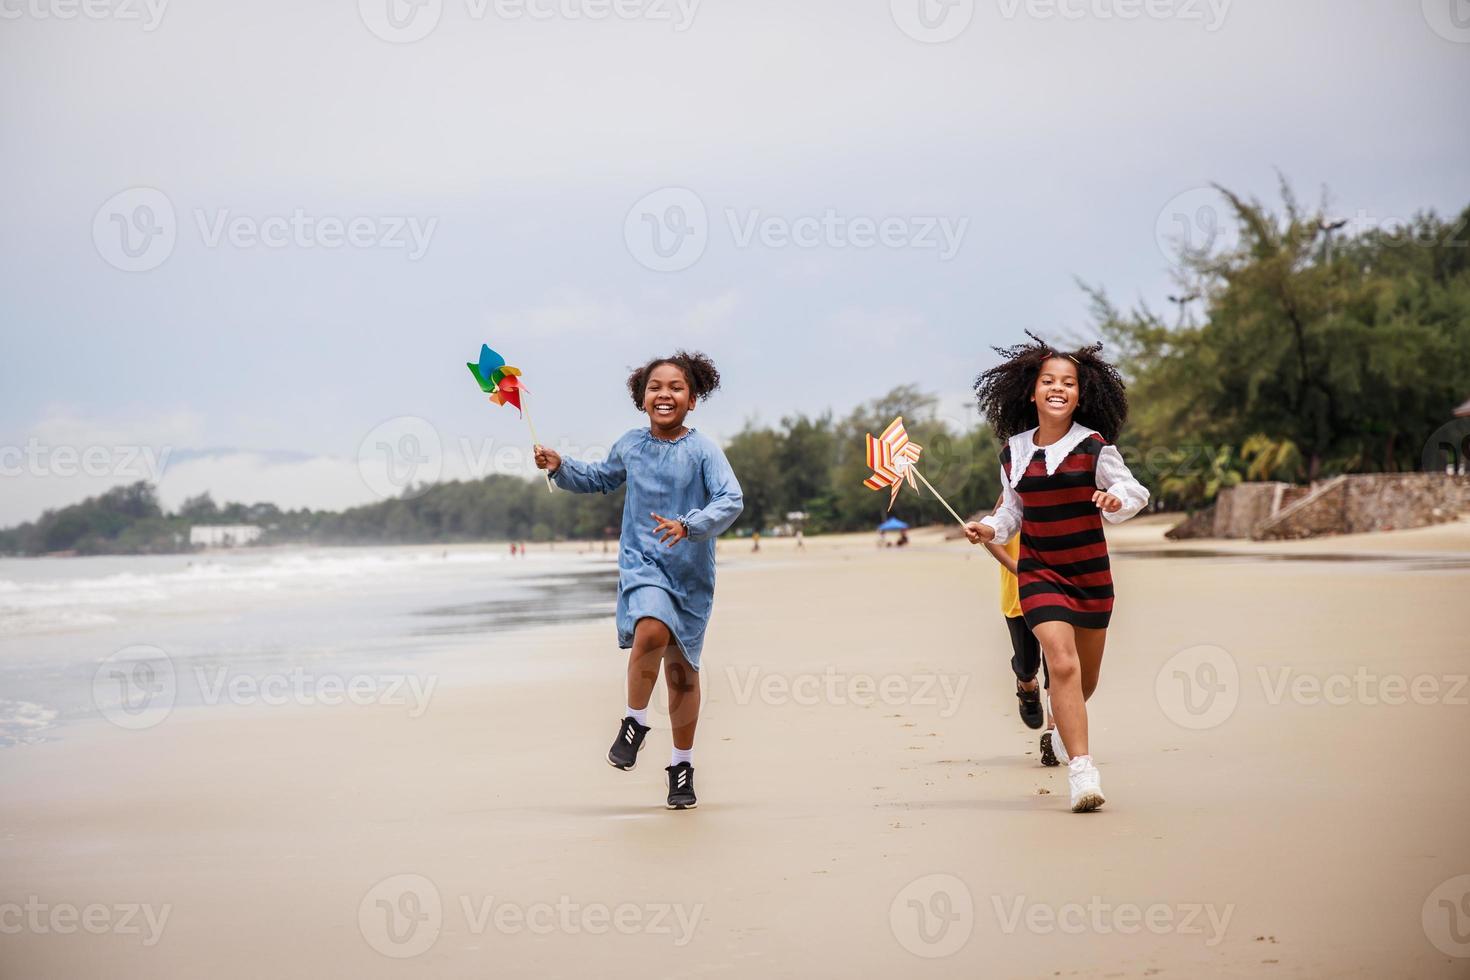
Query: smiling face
667,398
1056,391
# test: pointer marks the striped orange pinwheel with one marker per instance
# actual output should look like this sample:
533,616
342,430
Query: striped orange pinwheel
891,457
894,460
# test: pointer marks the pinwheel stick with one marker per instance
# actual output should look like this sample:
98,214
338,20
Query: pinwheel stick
915,471
535,441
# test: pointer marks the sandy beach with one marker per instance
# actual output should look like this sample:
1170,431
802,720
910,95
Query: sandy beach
1280,736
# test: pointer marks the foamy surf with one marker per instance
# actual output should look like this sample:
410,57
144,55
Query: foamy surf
23,722
61,603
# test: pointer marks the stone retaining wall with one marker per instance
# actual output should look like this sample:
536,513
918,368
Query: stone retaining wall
1371,502
1342,505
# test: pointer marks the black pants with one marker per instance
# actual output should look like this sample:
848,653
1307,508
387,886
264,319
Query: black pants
1026,659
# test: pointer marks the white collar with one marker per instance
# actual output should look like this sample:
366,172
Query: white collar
1023,447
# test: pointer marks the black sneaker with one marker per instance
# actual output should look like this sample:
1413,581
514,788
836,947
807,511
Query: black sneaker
624,752
681,787
1048,754
1030,707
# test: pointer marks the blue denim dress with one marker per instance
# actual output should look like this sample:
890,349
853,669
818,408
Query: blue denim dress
687,478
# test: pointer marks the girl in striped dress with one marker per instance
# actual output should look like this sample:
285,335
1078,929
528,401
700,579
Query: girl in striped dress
1061,477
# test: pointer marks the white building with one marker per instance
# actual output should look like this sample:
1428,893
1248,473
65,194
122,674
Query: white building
222,535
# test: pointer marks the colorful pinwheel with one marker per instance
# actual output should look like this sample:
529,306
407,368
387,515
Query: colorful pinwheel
503,384
894,458
497,379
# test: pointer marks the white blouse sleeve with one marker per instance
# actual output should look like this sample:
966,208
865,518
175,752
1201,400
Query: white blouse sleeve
1007,517
1114,477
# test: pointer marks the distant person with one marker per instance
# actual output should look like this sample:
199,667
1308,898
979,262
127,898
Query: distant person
903,538
1061,475
800,545
1026,660
755,539
512,549
666,564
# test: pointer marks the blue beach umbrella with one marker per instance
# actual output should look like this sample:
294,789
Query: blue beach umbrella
893,524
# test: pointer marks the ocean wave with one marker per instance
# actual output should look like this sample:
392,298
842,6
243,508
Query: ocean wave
64,603
22,722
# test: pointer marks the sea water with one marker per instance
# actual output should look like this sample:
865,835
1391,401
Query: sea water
88,638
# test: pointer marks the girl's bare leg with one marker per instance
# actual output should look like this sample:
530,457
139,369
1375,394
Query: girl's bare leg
1090,645
1059,643
682,684
650,639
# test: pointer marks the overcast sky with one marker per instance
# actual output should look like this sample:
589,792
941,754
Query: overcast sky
246,246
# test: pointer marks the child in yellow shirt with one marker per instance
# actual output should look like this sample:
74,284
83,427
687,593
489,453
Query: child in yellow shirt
1026,659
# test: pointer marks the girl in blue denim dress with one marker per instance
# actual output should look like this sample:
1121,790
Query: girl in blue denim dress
682,495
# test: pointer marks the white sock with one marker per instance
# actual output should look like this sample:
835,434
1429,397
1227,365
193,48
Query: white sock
640,715
682,755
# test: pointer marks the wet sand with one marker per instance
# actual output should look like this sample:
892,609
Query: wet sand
1280,743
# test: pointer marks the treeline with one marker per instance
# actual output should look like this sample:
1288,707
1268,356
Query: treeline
1308,348
811,465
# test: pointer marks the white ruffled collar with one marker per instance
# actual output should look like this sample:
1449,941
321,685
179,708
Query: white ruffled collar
1023,447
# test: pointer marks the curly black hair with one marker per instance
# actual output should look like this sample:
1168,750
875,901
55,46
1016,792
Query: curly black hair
699,371
1004,391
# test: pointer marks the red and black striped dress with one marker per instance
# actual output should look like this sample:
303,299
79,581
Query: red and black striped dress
1063,570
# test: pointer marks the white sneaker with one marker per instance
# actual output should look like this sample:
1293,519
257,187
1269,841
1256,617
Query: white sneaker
1086,785
1057,748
